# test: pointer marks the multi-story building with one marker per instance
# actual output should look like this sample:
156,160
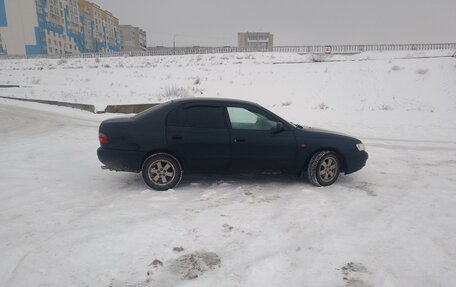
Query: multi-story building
132,38
256,40
30,27
105,29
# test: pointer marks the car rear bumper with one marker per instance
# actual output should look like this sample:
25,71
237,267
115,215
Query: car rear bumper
121,160
356,161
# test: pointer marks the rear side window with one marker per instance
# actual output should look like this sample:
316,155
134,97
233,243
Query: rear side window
197,117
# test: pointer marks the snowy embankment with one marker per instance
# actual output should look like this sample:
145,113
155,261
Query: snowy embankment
376,87
65,222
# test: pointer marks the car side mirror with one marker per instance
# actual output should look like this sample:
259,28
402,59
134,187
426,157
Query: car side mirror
278,128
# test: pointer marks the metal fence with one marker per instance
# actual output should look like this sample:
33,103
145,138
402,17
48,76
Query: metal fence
334,49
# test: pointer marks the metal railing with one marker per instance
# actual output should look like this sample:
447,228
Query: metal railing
334,49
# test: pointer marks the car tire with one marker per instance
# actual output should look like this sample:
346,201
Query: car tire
161,171
323,168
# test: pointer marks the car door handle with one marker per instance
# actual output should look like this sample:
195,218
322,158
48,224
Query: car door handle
176,138
239,140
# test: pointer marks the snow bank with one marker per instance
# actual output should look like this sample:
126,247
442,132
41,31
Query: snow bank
366,94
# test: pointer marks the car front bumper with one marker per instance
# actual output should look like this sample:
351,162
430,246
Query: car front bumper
356,161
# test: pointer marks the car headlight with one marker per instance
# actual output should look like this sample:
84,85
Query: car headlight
361,147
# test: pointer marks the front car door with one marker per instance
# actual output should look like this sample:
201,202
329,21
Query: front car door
254,144
198,134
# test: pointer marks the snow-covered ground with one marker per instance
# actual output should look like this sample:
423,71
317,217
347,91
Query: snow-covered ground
65,222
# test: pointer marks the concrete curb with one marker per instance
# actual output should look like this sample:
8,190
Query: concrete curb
115,109
84,107
9,86
128,109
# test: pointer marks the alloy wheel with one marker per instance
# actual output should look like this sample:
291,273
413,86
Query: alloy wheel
328,169
161,172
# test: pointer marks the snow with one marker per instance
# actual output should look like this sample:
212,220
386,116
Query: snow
66,222
379,90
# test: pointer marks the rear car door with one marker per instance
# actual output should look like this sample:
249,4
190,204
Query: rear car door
198,134
254,146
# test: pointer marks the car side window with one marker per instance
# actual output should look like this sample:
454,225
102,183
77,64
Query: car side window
244,119
197,117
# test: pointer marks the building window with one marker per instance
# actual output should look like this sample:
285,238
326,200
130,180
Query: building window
257,39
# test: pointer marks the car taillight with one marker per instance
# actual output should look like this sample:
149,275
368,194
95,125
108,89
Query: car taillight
103,138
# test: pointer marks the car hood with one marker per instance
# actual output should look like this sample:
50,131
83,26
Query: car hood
324,133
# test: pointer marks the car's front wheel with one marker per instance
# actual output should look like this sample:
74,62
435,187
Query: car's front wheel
161,171
323,168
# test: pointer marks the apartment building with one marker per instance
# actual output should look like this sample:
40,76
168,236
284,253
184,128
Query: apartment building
31,27
256,40
132,38
106,35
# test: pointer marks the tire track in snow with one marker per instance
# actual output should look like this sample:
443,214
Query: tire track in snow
414,141
406,144
410,147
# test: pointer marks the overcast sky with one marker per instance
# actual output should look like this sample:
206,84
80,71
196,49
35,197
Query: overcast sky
293,22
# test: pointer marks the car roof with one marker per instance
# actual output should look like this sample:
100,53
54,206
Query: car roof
212,100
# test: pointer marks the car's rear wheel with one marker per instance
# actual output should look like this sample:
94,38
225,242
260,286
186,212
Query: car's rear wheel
323,168
161,171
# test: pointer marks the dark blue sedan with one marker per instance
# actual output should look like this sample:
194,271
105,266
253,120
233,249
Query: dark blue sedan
203,135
